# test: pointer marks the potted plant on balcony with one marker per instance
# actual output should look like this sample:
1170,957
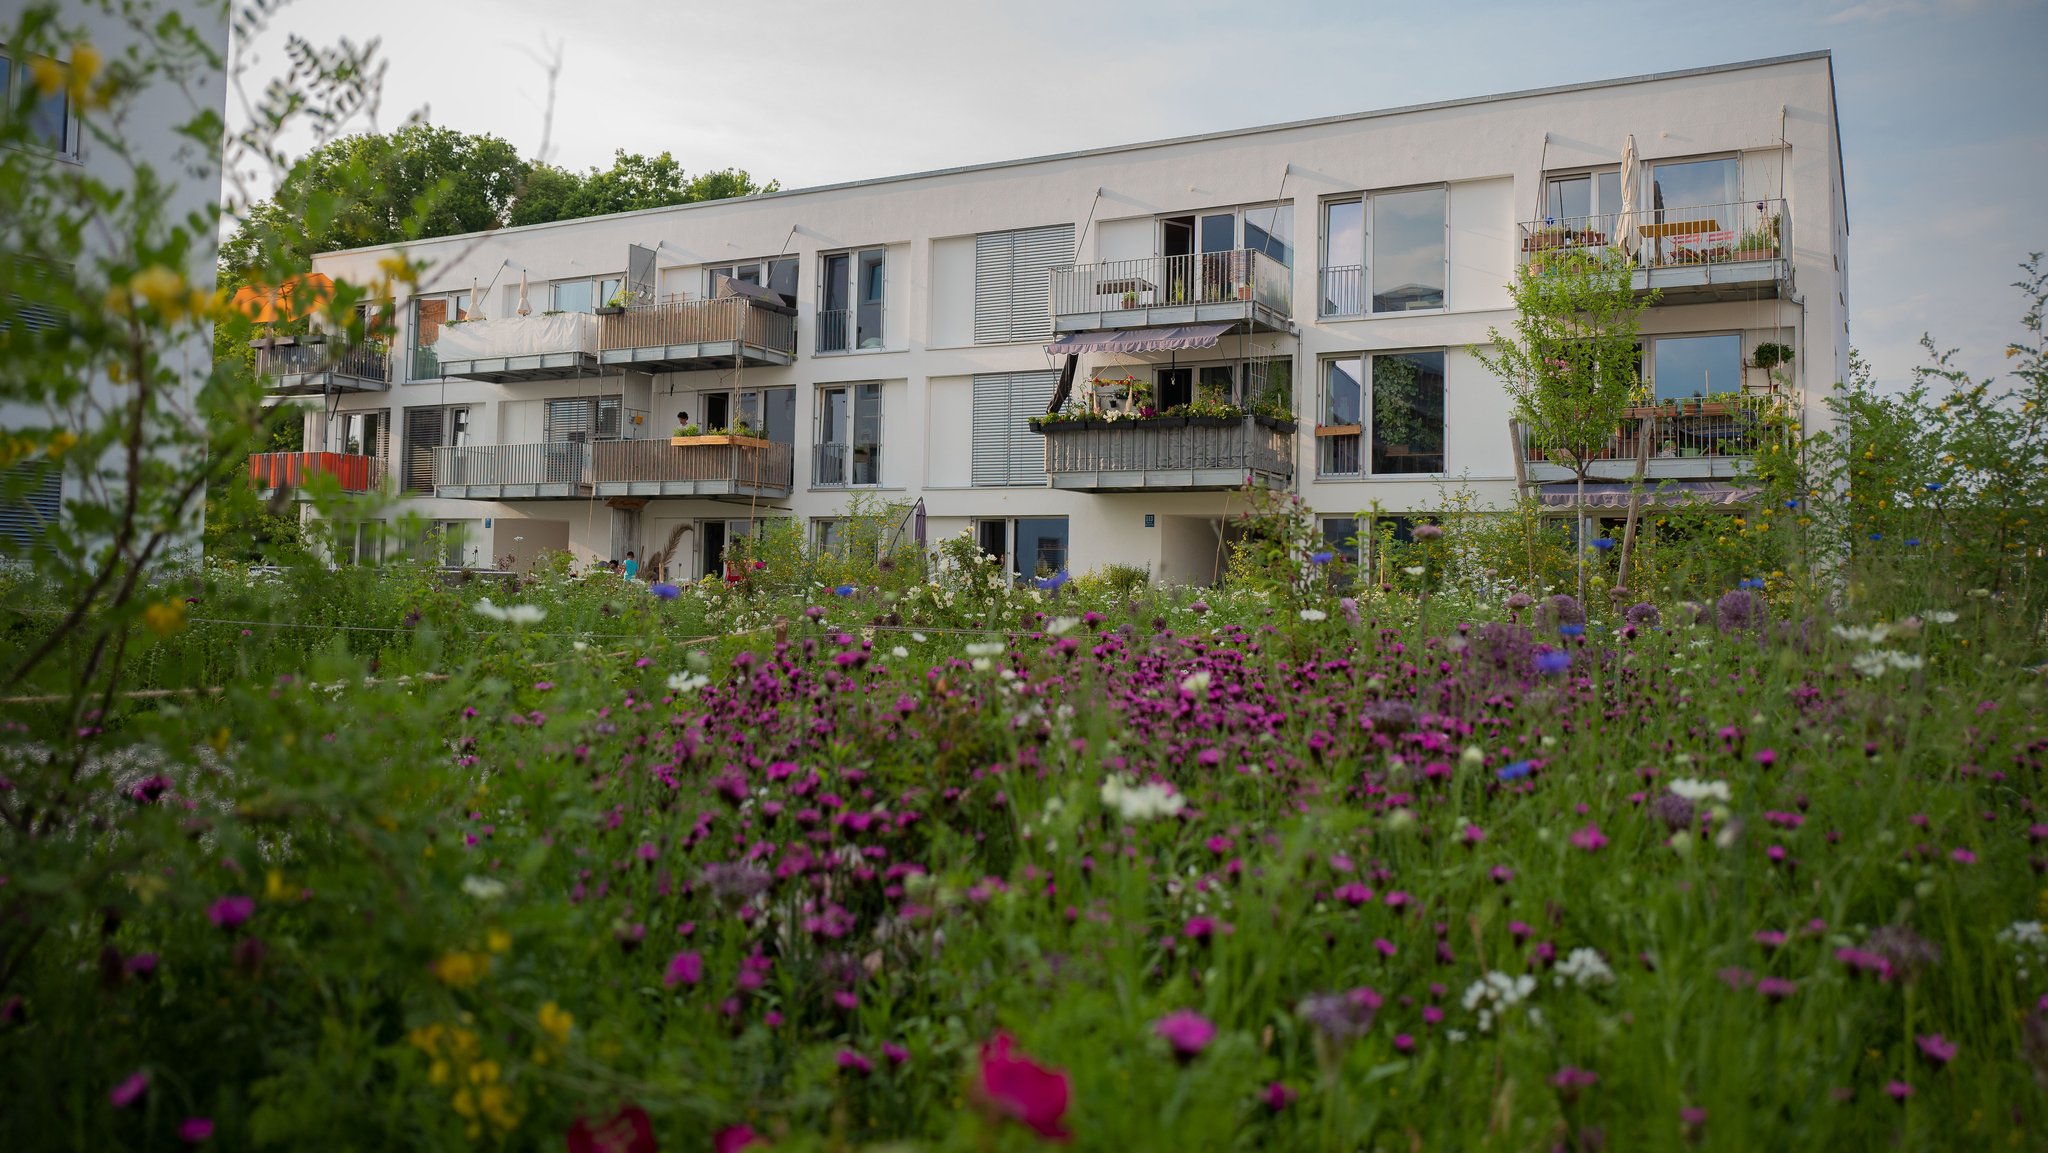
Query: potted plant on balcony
1131,298
1759,243
617,304
1760,374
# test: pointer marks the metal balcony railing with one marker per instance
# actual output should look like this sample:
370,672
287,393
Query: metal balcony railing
1341,291
1136,454
1661,237
836,465
847,329
554,468
367,361
657,467
1692,436
726,320
356,473
1153,282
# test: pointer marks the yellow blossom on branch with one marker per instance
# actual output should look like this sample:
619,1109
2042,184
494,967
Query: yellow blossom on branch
164,617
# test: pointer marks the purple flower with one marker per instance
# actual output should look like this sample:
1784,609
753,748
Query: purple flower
843,591
230,912
1739,610
1643,615
1776,989
1590,839
131,1090
1603,543
665,591
1937,1048
1053,582
895,1054
1899,1091
195,1130
1277,1096
684,969
1515,770
853,1062
1553,661
1187,1031
1321,558
1342,1016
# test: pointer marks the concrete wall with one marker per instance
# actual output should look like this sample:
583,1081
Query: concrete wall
1489,154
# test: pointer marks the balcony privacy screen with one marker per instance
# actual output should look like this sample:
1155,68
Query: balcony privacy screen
1006,451
1013,282
518,336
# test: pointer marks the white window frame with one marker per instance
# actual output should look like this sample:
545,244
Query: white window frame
73,149
602,289
1369,228
1365,421
819,439
854,301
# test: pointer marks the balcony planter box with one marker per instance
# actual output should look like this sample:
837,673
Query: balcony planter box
1753,254
1718,408
1163,421
612,310
1095,422
718,439
1277,424
1339,429
1212,422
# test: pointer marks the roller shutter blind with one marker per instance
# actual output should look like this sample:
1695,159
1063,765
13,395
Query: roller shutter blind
1006,451
1013,282
31,498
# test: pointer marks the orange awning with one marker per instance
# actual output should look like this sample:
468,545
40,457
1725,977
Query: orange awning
297,297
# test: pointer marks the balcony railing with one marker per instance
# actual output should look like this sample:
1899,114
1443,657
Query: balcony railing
555,469
319,366
356,473
688,335
1715,438
1240,285
839,465
658,468
1341,291
847,329
1704,251
1133,455
518,348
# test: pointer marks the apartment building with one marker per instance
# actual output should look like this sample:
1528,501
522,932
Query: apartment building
1307,293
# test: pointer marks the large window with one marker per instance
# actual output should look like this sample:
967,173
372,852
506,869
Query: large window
366,433
31,500
579,419
776,273
48,119
769,412
1385,250
427,428
1583,202
1393,402
585,295
429,315
1688,366
1041,547
1693,184
848,450
850,303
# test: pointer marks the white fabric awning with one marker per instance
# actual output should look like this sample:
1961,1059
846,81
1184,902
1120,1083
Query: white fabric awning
1140,339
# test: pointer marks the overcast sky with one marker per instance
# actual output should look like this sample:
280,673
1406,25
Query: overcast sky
1940,100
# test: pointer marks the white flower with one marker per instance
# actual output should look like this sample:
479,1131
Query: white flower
1584,967
484,608
1195,682
1414,570
483,888
686,682
918,637
1314,615
985,649
1941,616
1693,790
899,652
1869,664
1138,803
1059,626
524,614
1870,635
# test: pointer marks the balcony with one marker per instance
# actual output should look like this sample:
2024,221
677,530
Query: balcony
1243,287
741,469
312,366
270,471
1702,440
1187,454
693,335
1689,255
517,348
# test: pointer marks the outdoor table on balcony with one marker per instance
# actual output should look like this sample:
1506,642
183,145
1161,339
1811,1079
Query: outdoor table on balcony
1123,285
1676,228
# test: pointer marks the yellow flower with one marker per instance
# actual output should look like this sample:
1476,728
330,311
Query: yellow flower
465,1104
496,1103
62,442
484,1072
556,1021
85,64
274,888
498,940
162,287
49,75
165,617
460,970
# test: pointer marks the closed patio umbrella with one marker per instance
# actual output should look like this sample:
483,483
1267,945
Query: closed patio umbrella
525,309
1631,191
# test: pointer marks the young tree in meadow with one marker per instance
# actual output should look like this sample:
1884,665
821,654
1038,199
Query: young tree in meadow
1571,365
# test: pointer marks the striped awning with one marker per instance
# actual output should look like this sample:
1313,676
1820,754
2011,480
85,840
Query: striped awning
1140,339
1609,494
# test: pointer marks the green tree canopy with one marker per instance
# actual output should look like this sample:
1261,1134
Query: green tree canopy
633,182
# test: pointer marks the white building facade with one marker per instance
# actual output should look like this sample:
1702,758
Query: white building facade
1305,294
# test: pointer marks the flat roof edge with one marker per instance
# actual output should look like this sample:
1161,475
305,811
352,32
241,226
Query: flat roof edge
1139,146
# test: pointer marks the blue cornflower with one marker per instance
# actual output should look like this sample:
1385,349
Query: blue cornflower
1515,770
1933,486
1877,536
1053,582
843,591
1321,557
1572,630
665,591
1603,543
1791,504
1553,661
1912,542
1752,582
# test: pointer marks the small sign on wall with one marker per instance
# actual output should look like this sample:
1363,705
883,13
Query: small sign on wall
1151,521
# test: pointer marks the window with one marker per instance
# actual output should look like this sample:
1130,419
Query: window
1340,536
430,314
47,121
366,433
1013,282
1243,383
1688,366
850,306
1203,254
31,499
1041,547
1697,192
1005,450
1405,269
1343,271
426,429
582,418
1583,202
849,441
777,273
583,295
1401,414
769,412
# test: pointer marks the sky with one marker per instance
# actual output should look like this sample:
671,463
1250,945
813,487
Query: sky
1944,146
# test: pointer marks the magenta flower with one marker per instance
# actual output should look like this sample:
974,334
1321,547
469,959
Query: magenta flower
1352,894
1899,1091
1277,1096
1962,857
195,1130
1187,1031
895,1054
1775,989
1590,838
131,1090
230,912
1937,1048
1474,834
853,1062
1014,1086
683,969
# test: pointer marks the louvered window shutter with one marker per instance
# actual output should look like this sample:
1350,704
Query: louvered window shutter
1035,252
992,261
25,521
991,429
423,427
1030,392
